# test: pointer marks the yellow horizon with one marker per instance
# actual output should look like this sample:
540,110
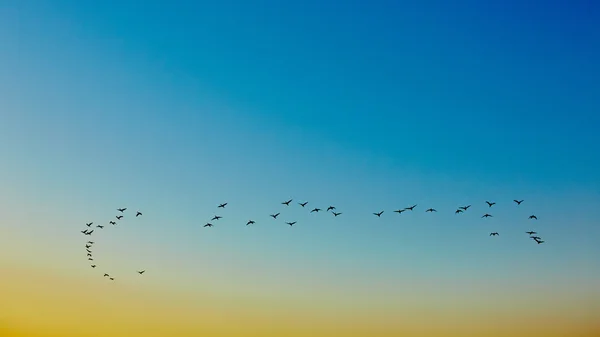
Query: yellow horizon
39,304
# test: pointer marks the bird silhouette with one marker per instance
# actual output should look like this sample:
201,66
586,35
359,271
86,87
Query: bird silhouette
378,214
486,215
303,203
222,205
90,232
411,207
100,226
112,223
531,233
494,234
458,211
89,251
141,272
533,217
539,241
88,246
330,208
431,210
275,215
121,209
208,225
106,275
89,255
90,259
399,211
316,210
490,203
291,223
89,224
250,222
535,237
138,214
287,203
93,266
119,217
216,217
90,242
464,208
518,201
111,278
336,214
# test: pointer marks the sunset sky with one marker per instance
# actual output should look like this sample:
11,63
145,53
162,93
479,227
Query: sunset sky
173,107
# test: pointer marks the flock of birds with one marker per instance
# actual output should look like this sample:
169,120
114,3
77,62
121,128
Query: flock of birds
330,209
89,244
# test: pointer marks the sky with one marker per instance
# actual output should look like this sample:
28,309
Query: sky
173,107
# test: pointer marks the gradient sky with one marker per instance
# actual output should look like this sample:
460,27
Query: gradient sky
172,107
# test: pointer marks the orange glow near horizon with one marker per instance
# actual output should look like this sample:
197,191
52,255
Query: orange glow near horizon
37,304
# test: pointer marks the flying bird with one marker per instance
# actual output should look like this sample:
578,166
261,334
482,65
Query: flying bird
330,208
275,215
119,217
100,226
90,259
208,225
291,223
533,217
89,224
464,208
141,272
494,234
89,251
531,233
84,231
287,203
378,214
486,215
106,275
336,214
89,255
90,232
90,242
490,203
216,217
93,266
121,209
518,201
112,223
458,211
250,222
399,211
411,207
303,203
138,214
316,210
222,205
431,210
112,278
539,241
88,246
535,237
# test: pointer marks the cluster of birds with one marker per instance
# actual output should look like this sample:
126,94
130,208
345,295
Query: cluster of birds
88,231
330,209
275,215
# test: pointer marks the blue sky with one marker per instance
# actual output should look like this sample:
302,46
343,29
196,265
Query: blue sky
173,107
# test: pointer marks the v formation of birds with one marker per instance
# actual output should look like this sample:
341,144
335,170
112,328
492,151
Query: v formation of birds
331,210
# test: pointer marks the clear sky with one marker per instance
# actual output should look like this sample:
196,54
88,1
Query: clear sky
172,107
